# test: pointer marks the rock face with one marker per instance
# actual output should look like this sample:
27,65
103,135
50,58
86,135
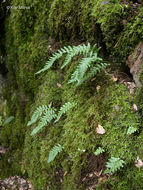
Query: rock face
135,63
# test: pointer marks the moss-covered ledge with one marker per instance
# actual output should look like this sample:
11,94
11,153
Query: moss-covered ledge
109,106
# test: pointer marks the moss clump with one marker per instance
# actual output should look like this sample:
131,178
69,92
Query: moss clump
131,35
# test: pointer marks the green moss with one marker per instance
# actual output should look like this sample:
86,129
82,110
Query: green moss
109,17
129,179
76,132
27,47
131,35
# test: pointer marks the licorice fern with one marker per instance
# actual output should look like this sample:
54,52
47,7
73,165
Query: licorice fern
45,114
113,165
89,65
48,115
99,151
38,112
67,106
53,153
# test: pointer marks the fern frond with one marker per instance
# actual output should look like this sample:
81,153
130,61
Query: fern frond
113,165
38,112
131,130
67,106
76,50
74,77
8,120
53,153
99,151
49,114
85,63
93,72
90,56
52,59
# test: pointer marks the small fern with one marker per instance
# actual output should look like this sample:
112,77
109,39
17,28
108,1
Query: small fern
8,120
99,151
48,115
131,130
45,114
53,153
67,106
38,112
89,65
113,165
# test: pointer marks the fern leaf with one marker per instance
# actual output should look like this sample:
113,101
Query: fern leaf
131,130
84,65
52,59
113,165
67,106
90,56
76,50
99,151
74,77
67,60
8,120
49,114
93,72
38,112
53,153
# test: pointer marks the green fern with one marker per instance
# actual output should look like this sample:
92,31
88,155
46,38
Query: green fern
53,153
71,51
99,151
8,120
89,65
45,114
113,165
76,50
131,130
38,112
67,106
48,115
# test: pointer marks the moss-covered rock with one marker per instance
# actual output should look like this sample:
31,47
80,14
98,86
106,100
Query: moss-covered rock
31,36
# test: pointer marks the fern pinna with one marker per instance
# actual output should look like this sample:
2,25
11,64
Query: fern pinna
45,114
88,67
53,153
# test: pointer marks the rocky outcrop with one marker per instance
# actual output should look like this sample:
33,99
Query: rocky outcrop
135,63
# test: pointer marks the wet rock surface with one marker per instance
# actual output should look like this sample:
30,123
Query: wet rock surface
15,183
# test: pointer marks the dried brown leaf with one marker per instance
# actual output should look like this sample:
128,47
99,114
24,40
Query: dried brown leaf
138,162
135,107
100,130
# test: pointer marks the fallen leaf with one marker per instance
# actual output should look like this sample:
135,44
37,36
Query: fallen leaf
98,174
50,103
2,150
135,107
100,179
98,88
138,162
84,179
100,130
59,85
65,173
90,175
114,78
